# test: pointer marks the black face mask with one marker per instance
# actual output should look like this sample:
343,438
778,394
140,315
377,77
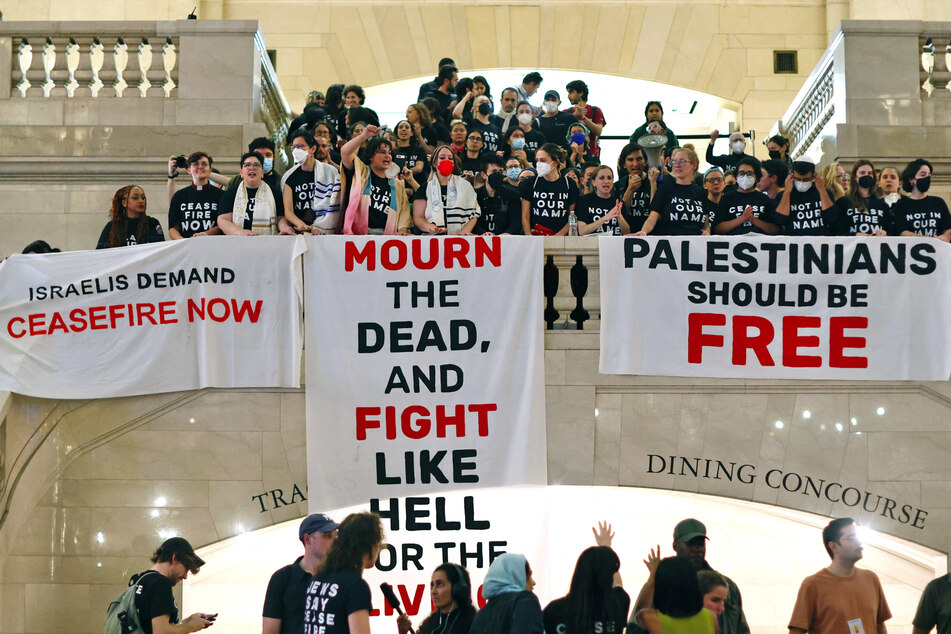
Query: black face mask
923,184
774,154
484,108
495,180
866,182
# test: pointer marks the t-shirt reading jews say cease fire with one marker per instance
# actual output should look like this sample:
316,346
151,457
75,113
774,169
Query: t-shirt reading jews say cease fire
331,598
683,209
549,201
194,209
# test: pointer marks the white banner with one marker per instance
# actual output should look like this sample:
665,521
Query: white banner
424,368
783,308
180,315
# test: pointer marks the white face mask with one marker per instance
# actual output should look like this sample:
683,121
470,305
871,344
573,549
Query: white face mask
738,147
803,187
543,169
550,106
300,155
745,182
525,118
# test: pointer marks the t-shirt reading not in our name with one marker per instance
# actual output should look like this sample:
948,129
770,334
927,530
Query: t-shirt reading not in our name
331,598
591,208
194,209
927,216
549,201
683,209
380,203
806,215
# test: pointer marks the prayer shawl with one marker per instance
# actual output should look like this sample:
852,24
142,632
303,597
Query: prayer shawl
461,204
265,209
357,215
326,195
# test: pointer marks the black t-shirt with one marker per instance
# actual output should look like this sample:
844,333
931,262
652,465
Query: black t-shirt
380,203
806,215
153,234
444,102
421,195
154,598
194,209
491,134
469,164
682,209
639,209
285,596
555,128
409,156
592,207
226,204
928,216
852,220
533,140
732,206
549,201
331,598
558,613
501,213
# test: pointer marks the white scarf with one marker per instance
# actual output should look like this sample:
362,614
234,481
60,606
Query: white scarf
507,120
326,195
461,204
265,209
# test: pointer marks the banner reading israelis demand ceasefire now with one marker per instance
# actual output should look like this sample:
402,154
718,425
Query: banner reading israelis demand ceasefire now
772,307
424,368
178,315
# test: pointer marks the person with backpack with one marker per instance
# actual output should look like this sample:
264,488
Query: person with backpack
148,606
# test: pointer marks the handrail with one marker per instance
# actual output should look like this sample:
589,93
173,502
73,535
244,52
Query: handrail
275,112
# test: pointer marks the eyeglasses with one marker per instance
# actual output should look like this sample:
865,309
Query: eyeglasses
299,146
251,166
679,162
745,174
474,138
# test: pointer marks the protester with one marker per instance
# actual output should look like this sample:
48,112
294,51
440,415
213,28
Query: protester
550,196
737,151
511,607
599,212
745,210
919,214
446,203
129,224
633,187
806,203
590,116
193,210
654,112
773,178
311,191
374,199
778,148
679,207
498,198
453,611
553,123
861,212
889,182
253,207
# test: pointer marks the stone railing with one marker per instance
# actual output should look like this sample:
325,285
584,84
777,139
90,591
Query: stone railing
935,51
273,109
97,60
572,283
812,109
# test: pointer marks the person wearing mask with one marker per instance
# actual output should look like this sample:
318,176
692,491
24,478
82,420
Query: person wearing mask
590,116
480,121
599,211
420,118
579,148
633,187
505,119
498,198
861,212
714,590
472,157
713,184
840,597
679,207
374,198
287,589
513,147
430,86
311,192
128,223
338,593
654,112
253,207
806,203
513,169
453,611
407,151
511,608
889,182
530,85
919,214
446,203
778,148
773,179
193,210
596,602
445,94
737,151
553,123
548,199
744,210
526,121
670,602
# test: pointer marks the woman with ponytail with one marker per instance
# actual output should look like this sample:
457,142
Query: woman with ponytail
550,197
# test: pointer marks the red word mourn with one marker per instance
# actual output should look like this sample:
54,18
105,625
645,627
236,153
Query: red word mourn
752,333
424,253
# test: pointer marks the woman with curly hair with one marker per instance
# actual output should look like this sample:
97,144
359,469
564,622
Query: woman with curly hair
129,223
338,596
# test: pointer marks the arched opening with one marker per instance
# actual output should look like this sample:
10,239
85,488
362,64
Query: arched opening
766,550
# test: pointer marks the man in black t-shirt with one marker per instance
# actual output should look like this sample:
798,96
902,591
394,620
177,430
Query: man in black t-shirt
193,210
158,612
500,204
287,589
553,123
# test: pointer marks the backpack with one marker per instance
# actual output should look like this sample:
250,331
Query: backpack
122,617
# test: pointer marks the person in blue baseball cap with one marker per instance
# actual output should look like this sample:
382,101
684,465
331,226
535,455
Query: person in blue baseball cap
287,589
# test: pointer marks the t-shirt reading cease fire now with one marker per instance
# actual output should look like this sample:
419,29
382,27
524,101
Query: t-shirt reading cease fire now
194,209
